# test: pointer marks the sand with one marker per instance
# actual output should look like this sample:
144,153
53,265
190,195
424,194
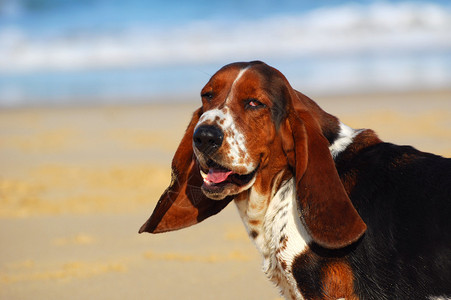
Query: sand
77,183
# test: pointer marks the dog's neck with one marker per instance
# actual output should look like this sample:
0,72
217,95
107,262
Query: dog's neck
277,233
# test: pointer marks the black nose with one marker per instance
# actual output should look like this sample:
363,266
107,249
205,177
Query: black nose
208,138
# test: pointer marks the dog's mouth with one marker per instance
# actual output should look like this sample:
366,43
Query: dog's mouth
218,178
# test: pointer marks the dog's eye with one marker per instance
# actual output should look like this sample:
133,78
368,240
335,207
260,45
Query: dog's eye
253,104
207,96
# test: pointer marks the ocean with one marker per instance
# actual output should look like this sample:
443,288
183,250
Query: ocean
109,51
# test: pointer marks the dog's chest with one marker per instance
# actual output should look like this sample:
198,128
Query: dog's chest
278,235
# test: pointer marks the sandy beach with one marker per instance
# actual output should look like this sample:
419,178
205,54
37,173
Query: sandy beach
76,183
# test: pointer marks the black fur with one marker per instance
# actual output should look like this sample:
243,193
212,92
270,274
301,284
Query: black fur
404,197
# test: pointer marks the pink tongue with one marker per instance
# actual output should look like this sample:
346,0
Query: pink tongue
217,176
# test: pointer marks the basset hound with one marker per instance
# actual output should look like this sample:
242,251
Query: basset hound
336,213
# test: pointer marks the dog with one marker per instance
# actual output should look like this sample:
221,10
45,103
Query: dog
335,212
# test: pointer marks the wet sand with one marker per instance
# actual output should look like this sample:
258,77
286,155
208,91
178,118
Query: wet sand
77,183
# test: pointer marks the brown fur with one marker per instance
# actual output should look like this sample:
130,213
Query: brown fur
324,278
338,281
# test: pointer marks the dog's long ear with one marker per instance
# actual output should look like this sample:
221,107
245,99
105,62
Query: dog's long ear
183,203
323,205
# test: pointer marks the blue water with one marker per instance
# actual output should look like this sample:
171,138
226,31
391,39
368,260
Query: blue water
106,51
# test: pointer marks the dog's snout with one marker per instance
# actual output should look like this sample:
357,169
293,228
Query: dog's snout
208,139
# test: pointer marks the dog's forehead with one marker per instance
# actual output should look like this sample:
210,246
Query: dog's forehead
249,81
236,83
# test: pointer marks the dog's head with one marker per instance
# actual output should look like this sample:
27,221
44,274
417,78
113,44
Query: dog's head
252,125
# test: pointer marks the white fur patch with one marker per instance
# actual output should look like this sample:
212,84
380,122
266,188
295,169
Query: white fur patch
238,156
239,76
232,88
345,138
281,221
281,235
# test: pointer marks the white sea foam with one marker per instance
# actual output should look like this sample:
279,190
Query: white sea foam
349,29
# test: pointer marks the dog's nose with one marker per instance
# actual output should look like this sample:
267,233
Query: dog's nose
208,138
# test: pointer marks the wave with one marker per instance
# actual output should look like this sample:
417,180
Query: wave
378,28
